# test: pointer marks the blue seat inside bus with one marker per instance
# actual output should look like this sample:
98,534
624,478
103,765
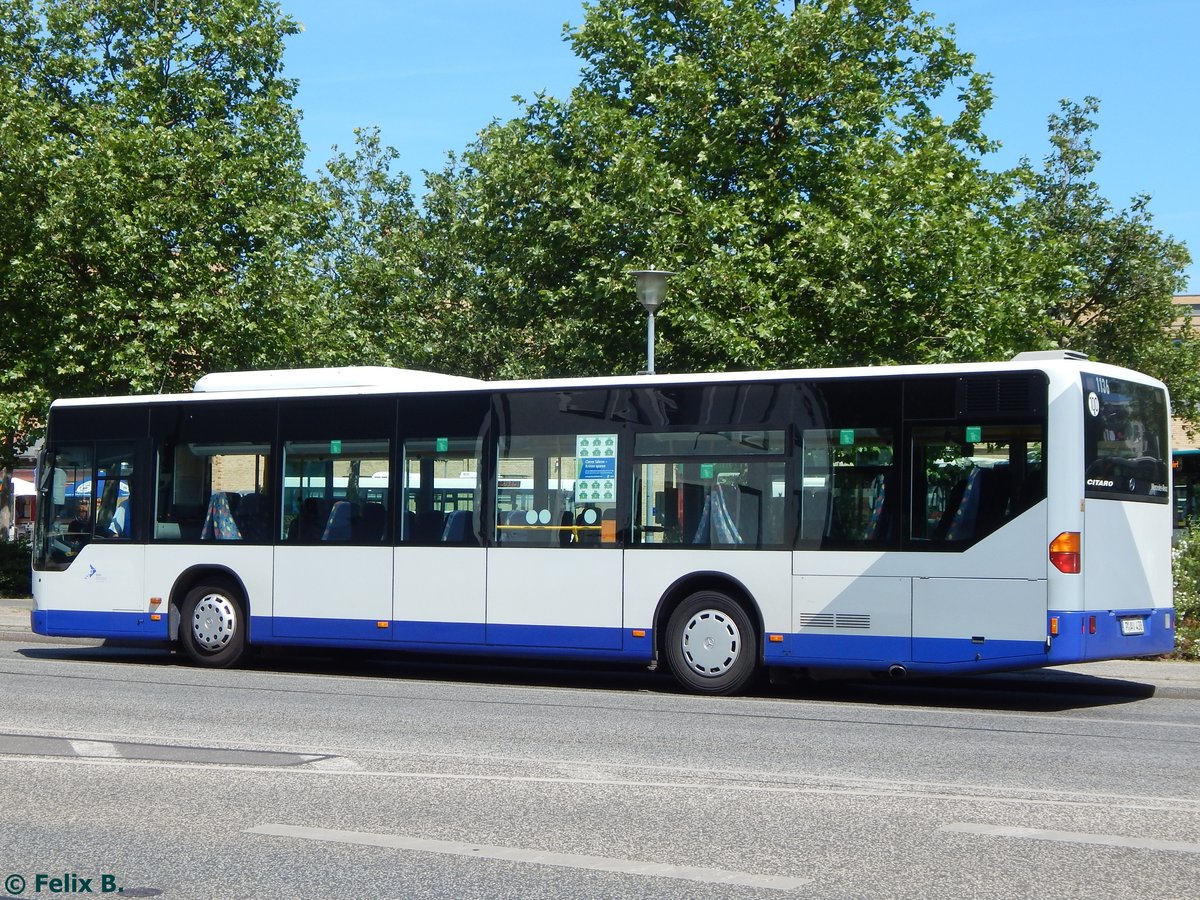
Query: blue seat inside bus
458,528
338,528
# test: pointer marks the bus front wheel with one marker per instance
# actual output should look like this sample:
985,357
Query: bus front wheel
710,644
212,626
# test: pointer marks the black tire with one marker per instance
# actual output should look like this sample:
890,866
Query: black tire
711,644
212,625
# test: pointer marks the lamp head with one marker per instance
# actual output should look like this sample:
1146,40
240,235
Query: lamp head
651,287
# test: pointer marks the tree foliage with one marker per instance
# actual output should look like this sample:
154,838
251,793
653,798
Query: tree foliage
1105,278
816,172
818,175
788,163
365,260
383,275
153,196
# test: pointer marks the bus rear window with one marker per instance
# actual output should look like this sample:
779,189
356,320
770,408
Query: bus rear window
1126,427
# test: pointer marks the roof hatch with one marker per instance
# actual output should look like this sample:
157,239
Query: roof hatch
343,377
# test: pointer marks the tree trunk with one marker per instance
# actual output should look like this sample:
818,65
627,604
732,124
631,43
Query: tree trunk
8,506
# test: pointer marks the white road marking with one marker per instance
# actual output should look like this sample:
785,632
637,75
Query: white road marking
1068,800
99,749
1072,837
539,857
333,764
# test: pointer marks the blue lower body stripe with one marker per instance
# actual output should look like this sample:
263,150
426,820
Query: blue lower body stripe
1076,641
534,641
81,623
918,655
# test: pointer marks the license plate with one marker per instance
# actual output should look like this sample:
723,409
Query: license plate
1133,626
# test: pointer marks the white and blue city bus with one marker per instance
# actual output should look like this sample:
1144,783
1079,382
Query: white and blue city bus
911,519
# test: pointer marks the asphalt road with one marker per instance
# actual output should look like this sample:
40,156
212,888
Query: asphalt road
306,776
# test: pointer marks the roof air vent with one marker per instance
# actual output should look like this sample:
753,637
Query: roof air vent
1042,355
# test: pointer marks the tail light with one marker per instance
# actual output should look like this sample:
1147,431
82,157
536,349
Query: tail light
1064,552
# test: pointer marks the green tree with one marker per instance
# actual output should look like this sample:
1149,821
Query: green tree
153,197
787,162
817,174
1105,278
24,159
369,262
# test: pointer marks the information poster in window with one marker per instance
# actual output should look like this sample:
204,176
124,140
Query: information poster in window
597,468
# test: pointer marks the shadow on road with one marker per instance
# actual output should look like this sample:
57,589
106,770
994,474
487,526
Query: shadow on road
1040,690
1043,690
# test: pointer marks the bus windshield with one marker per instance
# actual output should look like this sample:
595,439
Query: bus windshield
1126,429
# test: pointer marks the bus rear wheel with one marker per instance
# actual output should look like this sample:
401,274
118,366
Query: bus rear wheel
212,626
711,646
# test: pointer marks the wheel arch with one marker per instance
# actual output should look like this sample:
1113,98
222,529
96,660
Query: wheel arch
686,585
198,574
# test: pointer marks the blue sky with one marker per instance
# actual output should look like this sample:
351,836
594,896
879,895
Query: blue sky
430,75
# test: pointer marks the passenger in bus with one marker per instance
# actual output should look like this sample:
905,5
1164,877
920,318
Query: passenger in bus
308,525
369,527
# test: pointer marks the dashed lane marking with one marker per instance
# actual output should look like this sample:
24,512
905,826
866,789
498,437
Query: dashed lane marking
334,764
1072,837
536,857
61,746
101,749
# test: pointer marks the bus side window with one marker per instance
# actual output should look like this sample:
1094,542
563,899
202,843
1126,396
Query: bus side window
441,491
556,490
963,490
111,490
335,490
212,492
720,488
847,488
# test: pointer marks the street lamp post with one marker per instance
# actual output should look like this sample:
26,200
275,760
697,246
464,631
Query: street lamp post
651,288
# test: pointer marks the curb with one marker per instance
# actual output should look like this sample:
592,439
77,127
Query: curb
11,635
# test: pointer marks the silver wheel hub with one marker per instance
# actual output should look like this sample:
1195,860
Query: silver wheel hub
214,622
711,643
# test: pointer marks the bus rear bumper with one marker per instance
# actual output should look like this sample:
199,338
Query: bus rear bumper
1110,634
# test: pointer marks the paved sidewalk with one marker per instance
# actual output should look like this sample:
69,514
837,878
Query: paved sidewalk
1170,678
14,614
